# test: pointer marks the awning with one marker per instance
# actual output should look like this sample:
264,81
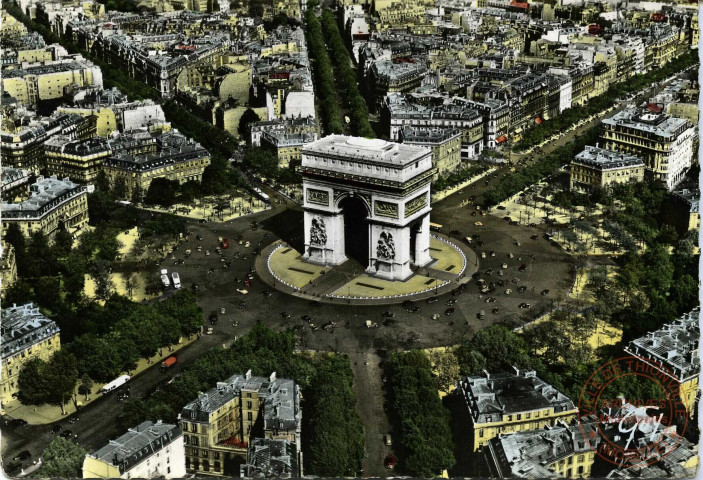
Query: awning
501,139
538,120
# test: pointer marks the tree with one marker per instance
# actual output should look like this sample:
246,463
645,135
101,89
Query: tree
86,385
130,283
446,369
102,182
137,194
40,258
31,383
63,242
62,459
162,191
100,271
262,161
248,117
61,374
47,292
119,189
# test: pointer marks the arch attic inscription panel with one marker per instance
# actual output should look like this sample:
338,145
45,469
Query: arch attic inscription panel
386,184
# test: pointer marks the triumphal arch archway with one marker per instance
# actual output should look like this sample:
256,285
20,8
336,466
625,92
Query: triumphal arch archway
370,200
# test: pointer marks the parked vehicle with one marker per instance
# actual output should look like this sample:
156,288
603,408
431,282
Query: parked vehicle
165,280
224,243
482,315
176,280
168,363
116,383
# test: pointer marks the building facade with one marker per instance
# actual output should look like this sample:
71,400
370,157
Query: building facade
220,425
52,203
8,266
501,403
286,147
673,350
26,335
664,143
600,168
149,450
444,143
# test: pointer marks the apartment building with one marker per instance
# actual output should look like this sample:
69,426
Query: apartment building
664,143
445,144
26,335
149,450
565,450
23,146
682,210
268,458
673,350
48,80
600,168
282,125
408,111
15,183
388,76
500,403
52,203
220,424
286,147
80,160
140,158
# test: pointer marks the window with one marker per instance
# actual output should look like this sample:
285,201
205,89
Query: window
480,433
249,405
249,416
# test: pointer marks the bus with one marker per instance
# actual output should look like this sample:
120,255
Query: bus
436,227
261,194
118,382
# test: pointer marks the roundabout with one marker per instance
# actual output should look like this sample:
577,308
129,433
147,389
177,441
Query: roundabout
287,270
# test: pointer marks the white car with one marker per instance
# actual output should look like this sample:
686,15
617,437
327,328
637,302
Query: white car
242,291
478,224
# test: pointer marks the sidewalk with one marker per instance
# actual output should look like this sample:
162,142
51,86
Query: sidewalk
44,414
437,196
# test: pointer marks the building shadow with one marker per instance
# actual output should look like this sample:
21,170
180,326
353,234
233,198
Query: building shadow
288,226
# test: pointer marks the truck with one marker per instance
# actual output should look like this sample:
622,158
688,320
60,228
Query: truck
168,363
118,382
176,280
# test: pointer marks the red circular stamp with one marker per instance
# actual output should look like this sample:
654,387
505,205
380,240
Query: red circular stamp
631,413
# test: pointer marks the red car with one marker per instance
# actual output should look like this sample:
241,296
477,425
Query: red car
391,461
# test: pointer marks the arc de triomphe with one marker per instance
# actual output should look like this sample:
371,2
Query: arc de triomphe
387,184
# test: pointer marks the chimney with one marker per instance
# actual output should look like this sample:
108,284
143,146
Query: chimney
488,375
272,378
248,374
202,398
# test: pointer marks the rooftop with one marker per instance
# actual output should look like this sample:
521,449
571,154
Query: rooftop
269,458
657,124
674,346
691,198
43,194
494,395
603,159
137,444
365,150
22,327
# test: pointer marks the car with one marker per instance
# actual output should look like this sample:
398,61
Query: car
241,305
213,318
489,271
433,300
195,287
451,302
522,268
450,311
210,330
522,289
455,232
23,455
495,310
306,318
478,224
200,238
473,214
480,243
222,310
493,254
490,300
56,429
414,309
545,292
500,207
505,265
387,440
68,434
390,322
534,237
73,420
507,219
388,314
17,422
390,461
242,291
266,293
525,305
285,315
